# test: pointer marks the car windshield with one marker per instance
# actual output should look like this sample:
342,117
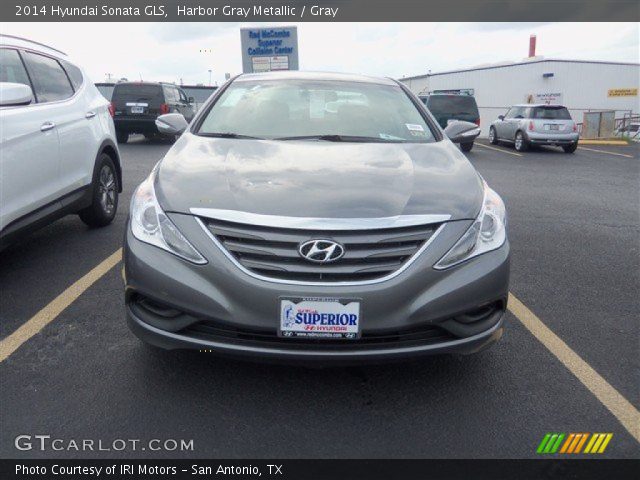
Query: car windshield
551,113
320,109
452,105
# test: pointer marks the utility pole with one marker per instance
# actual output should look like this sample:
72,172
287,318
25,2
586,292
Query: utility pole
209,77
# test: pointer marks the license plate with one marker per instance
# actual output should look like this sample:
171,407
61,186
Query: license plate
329,318
137,109
554,127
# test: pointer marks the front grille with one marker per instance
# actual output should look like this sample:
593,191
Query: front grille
273,252
424,335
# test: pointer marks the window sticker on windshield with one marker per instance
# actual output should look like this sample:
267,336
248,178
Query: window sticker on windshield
414,127
317,104
233,97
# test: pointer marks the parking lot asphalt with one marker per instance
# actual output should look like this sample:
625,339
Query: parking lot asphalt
573,225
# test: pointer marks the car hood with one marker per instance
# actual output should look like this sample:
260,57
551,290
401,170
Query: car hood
318,179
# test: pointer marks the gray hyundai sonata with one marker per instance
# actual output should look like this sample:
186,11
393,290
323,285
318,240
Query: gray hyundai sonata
321,218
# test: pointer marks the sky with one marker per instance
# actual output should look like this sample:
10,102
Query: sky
185,52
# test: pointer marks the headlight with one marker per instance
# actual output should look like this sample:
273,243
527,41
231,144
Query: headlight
151,225
487,233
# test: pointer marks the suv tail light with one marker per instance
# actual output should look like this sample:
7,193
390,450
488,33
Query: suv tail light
531,125
477,122
575,127
112,109
164,108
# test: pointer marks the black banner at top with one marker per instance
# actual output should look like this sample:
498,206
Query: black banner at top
318,10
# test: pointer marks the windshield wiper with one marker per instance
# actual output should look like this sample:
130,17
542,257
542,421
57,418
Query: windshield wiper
342,138
228,135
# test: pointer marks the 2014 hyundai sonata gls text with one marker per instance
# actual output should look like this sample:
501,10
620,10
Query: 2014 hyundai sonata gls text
316,218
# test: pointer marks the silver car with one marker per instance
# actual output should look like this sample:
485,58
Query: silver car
316,218
527,125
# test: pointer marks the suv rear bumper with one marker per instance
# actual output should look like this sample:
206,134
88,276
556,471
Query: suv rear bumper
131,124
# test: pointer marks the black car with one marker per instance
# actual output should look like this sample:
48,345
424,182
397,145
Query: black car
136,105
445,107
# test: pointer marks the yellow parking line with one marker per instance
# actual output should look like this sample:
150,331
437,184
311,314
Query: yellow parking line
45,316
607,153
499,150
619,406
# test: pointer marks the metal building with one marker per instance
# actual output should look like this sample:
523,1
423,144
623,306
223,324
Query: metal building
580,85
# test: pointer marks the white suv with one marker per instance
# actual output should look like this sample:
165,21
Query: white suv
58,153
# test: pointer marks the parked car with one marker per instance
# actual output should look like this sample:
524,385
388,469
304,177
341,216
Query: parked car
630,131
59,151
279,228
527,125
448,107
136,105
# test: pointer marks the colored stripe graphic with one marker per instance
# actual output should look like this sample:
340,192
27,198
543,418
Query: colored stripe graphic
568,442
556,445
605,443
543,443
581,442
573,443
550,443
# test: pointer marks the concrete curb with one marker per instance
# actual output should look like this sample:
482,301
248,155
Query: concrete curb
603,142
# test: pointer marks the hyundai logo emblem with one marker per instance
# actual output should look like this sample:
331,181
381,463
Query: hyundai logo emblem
321,251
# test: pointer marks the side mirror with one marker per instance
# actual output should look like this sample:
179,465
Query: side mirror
192,100
171,124
12,94
462,132
500,117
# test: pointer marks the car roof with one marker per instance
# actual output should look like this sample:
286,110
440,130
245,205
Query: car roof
328,76
20,42
141,82
442,94
537,105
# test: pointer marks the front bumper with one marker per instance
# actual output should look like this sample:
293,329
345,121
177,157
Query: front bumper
226,311
549,138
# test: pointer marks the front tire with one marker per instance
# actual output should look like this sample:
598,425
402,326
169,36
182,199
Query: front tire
466,147
104,203
570,148
122,137
493,137
521,143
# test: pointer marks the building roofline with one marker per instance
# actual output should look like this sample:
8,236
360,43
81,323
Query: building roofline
518,64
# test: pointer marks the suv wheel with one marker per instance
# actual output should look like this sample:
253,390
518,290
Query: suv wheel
493,138
570,148
104,203
122,137
521,143
466,147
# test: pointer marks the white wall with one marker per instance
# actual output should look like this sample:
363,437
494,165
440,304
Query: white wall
583,86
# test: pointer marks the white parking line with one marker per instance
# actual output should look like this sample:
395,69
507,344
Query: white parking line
606,152
499,149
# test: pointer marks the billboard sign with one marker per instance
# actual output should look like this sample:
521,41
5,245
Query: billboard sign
267,49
